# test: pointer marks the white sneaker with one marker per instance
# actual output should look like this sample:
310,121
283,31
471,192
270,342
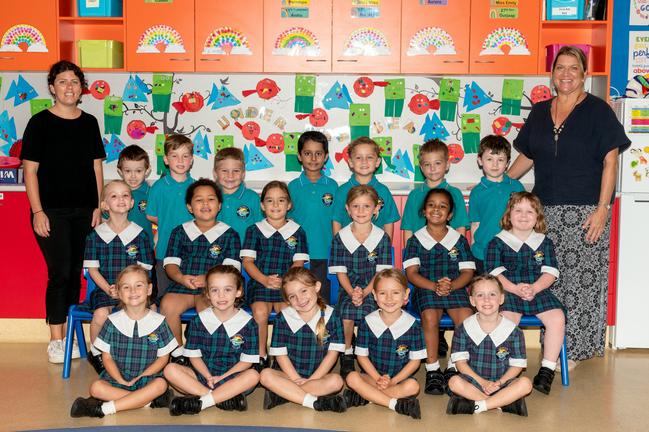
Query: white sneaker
75,349
55,351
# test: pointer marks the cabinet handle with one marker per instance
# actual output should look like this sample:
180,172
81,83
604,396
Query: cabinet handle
6,58
179,59
453,61
316,60
348,61
209,59
484,61
641,201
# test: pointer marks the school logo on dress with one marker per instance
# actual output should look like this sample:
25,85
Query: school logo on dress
153,338
453,253
502,352
291,242
539,256
243,212
237,341
327,199
372,256
142,206
132,250
402,351
215,251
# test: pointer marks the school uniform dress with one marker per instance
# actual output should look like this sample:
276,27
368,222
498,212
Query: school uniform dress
437,260
134,345
524,262
361,261
390,348
138,213
274,251
297,339
240,209
222,344
489,355
388,212
413,219
195,252
111,253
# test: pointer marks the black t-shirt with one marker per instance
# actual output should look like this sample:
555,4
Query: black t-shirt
574,174
65,151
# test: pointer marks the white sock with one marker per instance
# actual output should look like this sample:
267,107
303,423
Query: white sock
178,351
148,405
549,364
207,401
392,404
108,408
308,400
480,406
94,351
349,351
432,366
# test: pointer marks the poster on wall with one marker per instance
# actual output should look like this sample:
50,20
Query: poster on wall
639,12
638,53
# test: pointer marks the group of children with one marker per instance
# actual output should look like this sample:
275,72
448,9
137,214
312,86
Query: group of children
209,231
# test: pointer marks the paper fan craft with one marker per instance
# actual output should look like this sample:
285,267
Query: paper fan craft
160,38
226,41
23,37
431,40
297,41
505,40
366,41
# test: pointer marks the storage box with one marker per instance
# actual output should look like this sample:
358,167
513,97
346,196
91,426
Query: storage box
99,8
11,176
107,54
552,50
564,9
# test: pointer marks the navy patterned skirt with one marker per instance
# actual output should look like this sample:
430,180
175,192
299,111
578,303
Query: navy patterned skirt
259,293
141,383
428,299
99,299
348,311
542,302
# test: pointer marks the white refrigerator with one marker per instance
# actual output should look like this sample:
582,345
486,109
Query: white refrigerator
632,310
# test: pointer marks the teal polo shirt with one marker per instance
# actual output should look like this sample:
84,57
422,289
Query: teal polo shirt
138,213
240,209
487,204
388,212
167,203
413,220
313,207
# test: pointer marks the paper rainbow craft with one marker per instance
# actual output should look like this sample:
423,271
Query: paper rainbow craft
297,41
366,41
226,41
431,40
160,38
505,36
23,37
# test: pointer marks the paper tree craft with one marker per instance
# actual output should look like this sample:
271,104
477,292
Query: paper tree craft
433,128
337,97
474,97
135,90
221,98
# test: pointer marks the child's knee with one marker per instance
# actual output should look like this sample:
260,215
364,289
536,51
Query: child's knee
455,382
525,384
353,378
411,386
266,376
336,382
100,314
95,389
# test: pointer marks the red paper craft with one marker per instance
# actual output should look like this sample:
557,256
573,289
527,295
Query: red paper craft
250,131
266,89
317,118
420,104
275,143
364,86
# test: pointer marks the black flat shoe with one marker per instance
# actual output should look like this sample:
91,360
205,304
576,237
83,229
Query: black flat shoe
333,403
163,400
442,347
517,407
180,360
346,365
185,405
408,406
271,400
460,405
89,407
543,380
353,399
96,362
448,374
236,403
435,383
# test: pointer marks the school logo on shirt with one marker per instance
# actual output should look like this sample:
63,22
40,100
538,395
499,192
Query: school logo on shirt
538,257
291,242
325,337
402,351
327,199
381,203
372,256
215,251
132,250
243,211
502,353
153,338
453,253
237,341
142,206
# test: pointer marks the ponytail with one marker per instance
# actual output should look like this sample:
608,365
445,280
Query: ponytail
320,328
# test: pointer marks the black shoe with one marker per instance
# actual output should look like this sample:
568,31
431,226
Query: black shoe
442,347
96,362
89,407
263,364
180,360
408,406
353,399
334,403
346,365
460,405
271,400
517,407
237,403
185,405
435,383
543,380
448,374
163,400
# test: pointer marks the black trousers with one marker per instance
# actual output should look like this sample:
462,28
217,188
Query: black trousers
320,268
63,252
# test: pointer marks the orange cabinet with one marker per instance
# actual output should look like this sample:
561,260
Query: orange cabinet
29,35
160,36
504,39
366,38
229,36
435,38
297,36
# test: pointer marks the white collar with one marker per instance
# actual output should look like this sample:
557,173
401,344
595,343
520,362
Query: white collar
498,335
351,244
286,231
146,325
232,326
295,321
193,232
428,242
534,240
126,236
397,329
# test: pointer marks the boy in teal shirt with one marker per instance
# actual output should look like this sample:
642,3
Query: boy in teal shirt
313,195
133,167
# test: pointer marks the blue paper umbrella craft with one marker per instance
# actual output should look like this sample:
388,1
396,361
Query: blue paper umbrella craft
474,97
7,132
337,97
433,128
254,159
201,146
113,148
21,91
221,98
135,90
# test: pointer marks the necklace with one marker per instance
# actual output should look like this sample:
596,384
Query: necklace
558,129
